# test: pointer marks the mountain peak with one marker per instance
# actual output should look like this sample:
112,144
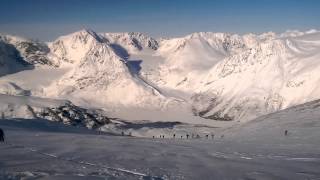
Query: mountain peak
132,41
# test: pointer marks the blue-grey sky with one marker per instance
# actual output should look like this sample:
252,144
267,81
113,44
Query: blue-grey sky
48,19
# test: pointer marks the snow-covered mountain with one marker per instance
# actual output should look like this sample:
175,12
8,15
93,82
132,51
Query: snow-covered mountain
130,43
98,74
216,76
33,52
275,73
232,77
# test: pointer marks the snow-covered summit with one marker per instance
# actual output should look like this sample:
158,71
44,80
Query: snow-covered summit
74,47
97,67
199,50
130,42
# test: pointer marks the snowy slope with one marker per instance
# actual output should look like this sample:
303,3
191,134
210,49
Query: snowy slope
301,121
11,88
256,150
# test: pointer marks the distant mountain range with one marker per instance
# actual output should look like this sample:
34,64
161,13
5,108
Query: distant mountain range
218,76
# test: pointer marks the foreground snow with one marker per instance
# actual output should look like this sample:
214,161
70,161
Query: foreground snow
256,150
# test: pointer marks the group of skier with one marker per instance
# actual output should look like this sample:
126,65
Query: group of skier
193,136
187,136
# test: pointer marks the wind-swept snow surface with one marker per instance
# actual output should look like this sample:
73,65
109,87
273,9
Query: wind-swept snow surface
256,150
301,122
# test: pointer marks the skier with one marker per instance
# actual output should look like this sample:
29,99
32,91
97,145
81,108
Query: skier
174,136
122,133
162,136
181,137
286,132
152,137
1,135
187,136
207,136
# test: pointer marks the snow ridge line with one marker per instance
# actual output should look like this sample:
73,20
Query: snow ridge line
86,163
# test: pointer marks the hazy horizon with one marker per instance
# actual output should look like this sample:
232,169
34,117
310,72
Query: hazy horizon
46,20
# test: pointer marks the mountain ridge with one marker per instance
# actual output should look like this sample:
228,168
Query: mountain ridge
214,75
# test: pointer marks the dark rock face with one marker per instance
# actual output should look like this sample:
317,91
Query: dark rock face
35,52
203,105
73,115
153,44
11,60
29,51
219,117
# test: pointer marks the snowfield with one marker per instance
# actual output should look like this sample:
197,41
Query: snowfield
64,111
47,150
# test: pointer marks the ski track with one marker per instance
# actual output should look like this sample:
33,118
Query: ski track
245,156
85,162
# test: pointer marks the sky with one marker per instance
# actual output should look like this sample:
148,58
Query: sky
48,19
